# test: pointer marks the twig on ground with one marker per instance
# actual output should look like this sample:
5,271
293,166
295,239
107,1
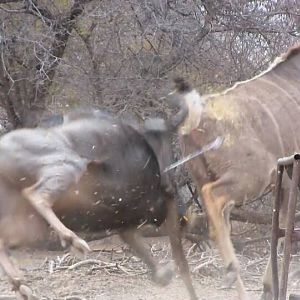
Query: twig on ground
7,297
210,261
87,262
191,249
256,262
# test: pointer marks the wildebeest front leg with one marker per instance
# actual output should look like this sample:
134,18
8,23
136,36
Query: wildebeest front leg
161,276
218,211
15,276
174,232
42,203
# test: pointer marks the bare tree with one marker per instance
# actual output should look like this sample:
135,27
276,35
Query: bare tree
120,55
30,54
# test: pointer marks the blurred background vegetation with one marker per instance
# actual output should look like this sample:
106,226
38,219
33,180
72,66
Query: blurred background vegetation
121,55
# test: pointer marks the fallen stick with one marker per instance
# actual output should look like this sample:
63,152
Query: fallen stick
87,262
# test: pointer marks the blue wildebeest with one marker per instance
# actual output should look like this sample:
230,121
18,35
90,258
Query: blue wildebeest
260,122
93,172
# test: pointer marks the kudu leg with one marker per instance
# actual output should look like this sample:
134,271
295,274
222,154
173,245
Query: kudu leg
161,275
173,228
218,211
15,276
267,293
42,204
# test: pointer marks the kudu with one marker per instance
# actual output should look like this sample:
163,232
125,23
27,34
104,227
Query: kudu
259,121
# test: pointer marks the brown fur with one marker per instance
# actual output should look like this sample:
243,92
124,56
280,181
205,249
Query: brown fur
260,122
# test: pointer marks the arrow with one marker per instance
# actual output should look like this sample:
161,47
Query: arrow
211,146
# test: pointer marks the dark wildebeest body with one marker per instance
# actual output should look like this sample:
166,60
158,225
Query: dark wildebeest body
259,120
96,173
105,190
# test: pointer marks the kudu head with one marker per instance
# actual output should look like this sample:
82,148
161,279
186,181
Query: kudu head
190,105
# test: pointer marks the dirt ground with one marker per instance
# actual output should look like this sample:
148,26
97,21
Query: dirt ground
112,272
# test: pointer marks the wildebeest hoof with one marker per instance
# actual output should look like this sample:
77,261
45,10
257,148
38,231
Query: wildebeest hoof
163,276
25,293
78,246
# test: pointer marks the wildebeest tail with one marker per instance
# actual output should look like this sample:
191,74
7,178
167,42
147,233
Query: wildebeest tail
182,85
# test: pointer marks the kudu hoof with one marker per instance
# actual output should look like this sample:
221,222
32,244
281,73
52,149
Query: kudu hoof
163,276
266,295
230,279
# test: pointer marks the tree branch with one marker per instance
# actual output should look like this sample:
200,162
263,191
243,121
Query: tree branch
250,216
63,29
9,1
44,14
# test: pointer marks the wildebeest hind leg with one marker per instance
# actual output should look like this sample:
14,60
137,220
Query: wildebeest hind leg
161,276
42,203
218,210
14,275
174,232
